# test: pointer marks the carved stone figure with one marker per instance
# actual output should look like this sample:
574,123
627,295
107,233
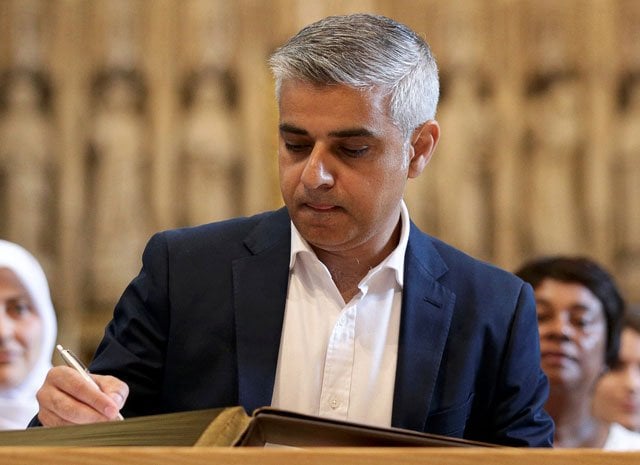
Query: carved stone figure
26,159
210,150
120,207
462,177
627,162
554,206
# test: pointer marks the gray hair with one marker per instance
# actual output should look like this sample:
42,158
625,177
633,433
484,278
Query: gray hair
365,51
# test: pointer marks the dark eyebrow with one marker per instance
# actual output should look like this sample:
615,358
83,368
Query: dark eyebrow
354,132
284,127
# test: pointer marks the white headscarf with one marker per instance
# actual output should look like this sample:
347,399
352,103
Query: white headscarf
18,404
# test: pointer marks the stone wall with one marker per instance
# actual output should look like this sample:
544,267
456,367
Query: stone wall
122,117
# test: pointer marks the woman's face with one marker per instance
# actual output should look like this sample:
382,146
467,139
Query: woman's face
573,333
618,392
20,331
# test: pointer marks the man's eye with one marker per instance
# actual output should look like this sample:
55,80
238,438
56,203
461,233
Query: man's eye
296,148
355,152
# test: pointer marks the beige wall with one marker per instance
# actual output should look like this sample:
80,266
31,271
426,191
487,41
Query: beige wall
539,151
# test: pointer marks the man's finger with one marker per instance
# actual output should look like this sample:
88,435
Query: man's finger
66,397
117,390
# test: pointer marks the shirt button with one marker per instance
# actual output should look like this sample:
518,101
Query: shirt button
333,403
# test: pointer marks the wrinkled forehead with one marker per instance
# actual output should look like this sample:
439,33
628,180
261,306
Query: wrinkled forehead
309,97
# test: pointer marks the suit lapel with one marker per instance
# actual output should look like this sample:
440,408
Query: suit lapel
260,291
427,307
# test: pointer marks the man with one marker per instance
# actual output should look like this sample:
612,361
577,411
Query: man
579,316
335,305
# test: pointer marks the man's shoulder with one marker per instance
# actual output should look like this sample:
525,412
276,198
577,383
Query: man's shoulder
232,228
256,231
458,268
430,248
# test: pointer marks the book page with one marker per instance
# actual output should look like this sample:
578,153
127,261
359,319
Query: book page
173,429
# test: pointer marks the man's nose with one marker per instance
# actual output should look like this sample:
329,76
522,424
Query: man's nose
317,172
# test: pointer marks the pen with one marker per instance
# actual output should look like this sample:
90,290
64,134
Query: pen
74,362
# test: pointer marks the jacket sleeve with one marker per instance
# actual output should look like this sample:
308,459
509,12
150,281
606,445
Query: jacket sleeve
133,346
520,419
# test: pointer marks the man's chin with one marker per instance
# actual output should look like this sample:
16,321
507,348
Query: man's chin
310,222
322,237
320,240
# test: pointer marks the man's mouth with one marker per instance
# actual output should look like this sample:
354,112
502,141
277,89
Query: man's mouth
320,206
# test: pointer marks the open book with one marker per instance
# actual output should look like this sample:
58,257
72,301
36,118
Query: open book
229,427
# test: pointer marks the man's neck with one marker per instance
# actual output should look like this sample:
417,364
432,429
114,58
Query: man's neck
349,268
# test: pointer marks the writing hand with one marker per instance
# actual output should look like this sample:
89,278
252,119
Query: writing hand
66,398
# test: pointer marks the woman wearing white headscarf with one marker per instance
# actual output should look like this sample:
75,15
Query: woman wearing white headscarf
27,334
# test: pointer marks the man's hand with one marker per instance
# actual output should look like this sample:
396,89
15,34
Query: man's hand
65,398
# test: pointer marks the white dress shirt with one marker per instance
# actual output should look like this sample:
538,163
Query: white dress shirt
338,359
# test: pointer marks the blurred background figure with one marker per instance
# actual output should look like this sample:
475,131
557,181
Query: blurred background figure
27,334
617,397
119,207
26,158
211,160
580,314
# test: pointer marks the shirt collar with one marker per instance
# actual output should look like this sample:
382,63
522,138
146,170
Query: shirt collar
394,261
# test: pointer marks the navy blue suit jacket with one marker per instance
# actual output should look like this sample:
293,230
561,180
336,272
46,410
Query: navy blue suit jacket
200,327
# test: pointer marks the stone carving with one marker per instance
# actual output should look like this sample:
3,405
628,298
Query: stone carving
462,177
210,149
627,166
555,124
119,206
26,160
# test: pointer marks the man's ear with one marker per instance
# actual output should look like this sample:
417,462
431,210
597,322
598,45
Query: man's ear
423,143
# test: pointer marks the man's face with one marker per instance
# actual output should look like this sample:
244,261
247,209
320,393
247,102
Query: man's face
573,336
20,331
618,392
343,165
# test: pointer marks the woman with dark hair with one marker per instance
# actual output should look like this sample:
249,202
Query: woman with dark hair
579,318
